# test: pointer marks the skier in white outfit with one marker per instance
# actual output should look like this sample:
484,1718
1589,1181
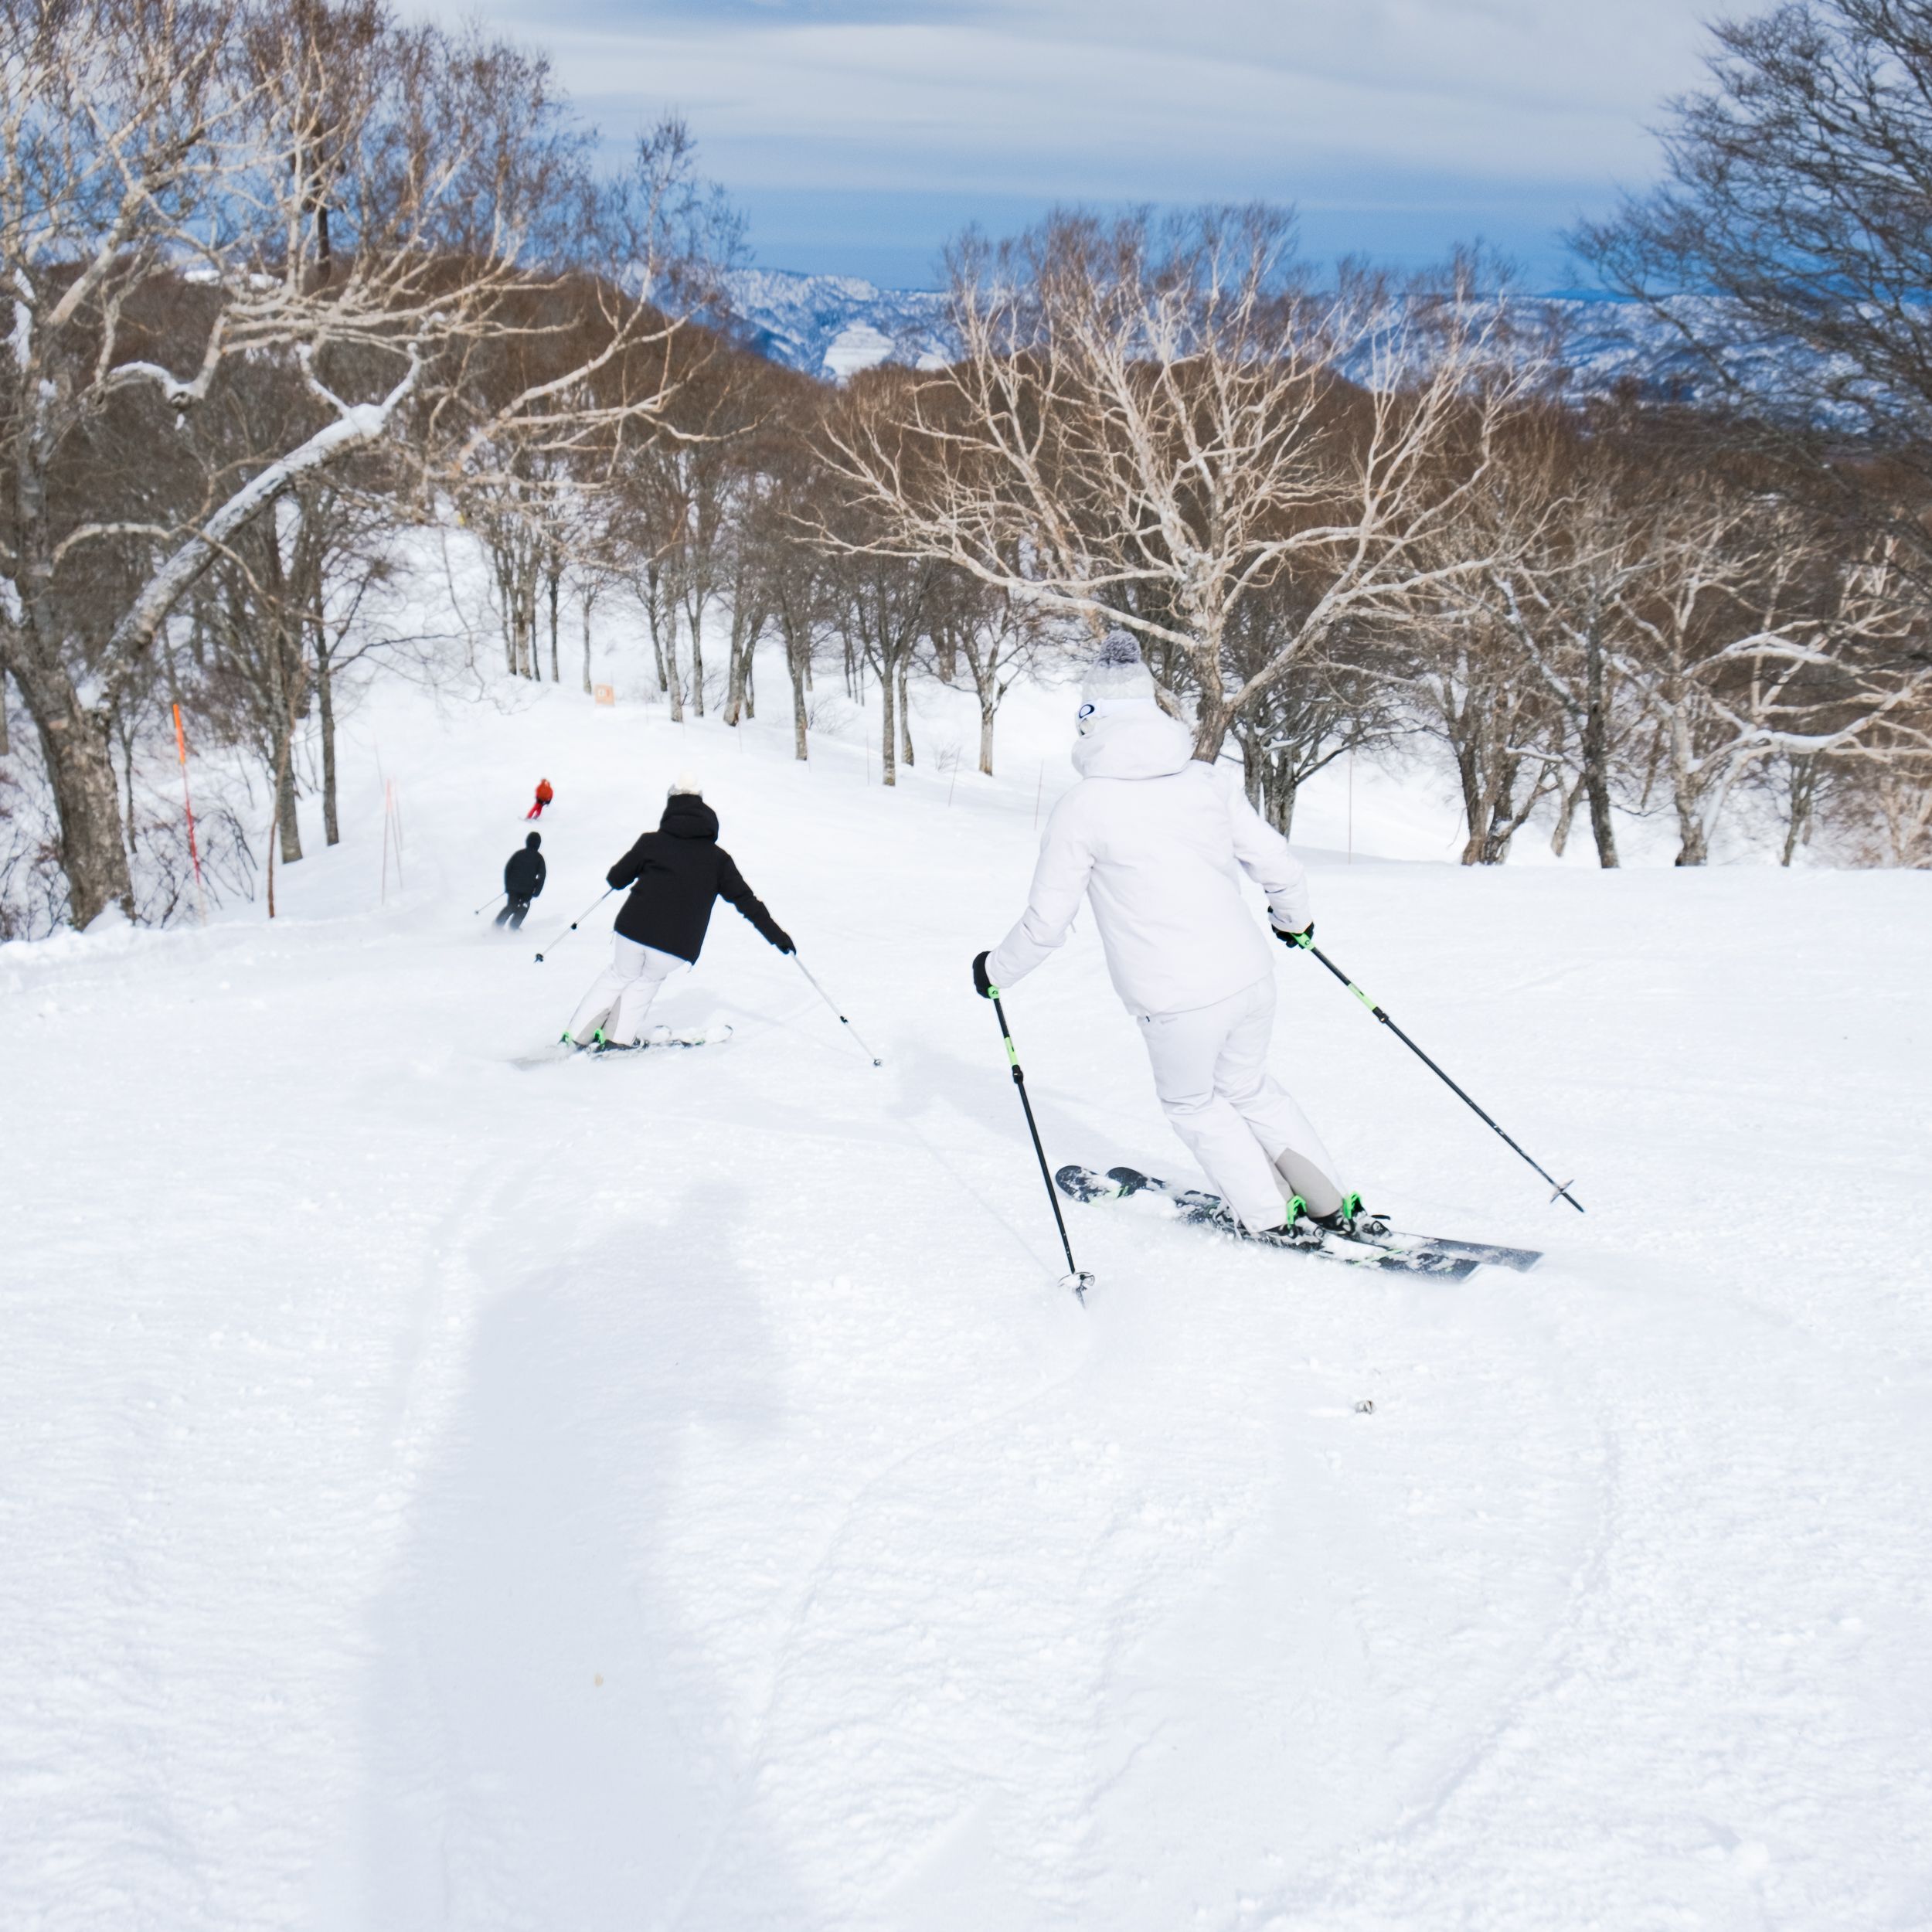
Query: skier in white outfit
1157,840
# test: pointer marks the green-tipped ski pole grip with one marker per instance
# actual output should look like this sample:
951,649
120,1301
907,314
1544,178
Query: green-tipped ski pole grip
1562,1187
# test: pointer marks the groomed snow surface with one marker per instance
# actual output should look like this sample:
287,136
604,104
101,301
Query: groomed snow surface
672,1492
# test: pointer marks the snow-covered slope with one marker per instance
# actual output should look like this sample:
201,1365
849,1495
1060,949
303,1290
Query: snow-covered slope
673,1493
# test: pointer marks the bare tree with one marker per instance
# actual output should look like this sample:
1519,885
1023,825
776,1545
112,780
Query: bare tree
1568,516
1503,730
1145,425
999,638
1340,698
290,182
1756,636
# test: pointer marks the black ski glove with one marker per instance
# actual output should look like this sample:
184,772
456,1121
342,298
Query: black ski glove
1304,938
782,940
981,984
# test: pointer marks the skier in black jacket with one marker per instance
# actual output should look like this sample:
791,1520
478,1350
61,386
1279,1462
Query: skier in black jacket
675,874
523,874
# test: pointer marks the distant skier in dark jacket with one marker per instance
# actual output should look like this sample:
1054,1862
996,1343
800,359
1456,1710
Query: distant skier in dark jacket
523,874
675,874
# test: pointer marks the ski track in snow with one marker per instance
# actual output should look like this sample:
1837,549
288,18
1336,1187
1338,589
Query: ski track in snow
673,1492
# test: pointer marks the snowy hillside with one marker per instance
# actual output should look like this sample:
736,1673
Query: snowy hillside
672,1492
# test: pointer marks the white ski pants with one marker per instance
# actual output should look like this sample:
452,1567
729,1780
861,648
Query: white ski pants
623,992
1211,1073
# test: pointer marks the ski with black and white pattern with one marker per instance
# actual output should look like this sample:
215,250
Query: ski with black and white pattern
1394,1241
1209,1210
568,1049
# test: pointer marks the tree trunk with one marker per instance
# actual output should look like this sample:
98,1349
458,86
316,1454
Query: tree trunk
1596,751
652,614
905,711
676,686
694,616
799,665
1213,715
1214,718
127,760
735,687
587,644
281,701
325,720
1473,814
555,575
1287,789
74,748
1565,818
74,740
889,729
1798,823
987,708
1694,843
286,820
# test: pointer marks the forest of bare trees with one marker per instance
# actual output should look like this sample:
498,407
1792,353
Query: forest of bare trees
295,286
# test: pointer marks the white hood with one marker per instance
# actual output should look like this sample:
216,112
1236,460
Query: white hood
1138,740
1158,843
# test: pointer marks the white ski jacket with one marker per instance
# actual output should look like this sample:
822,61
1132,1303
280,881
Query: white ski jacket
1157,840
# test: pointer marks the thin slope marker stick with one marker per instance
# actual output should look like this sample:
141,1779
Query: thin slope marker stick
188,803
1077,1278
576,922
1563,1187
834,1004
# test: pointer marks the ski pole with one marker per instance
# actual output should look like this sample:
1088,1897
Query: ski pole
1563,1187
1077,1278
576,922
833,1004
487,904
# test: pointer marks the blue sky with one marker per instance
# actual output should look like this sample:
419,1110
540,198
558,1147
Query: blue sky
858,134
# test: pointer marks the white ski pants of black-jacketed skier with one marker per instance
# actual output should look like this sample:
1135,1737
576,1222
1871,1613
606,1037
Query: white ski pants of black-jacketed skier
1211,1074
623,992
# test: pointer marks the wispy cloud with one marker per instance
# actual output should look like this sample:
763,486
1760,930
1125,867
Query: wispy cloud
1396,106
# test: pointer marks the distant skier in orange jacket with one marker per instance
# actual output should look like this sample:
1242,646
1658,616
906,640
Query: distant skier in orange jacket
544,795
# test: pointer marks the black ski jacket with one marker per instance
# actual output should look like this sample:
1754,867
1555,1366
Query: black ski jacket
524,874
675,874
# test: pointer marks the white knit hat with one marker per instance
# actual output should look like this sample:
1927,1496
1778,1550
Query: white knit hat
684,783
1117,671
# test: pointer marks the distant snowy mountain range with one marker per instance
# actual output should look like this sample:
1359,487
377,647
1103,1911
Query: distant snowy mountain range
832,326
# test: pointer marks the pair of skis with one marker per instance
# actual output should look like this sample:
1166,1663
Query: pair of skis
662,1040
1369,1244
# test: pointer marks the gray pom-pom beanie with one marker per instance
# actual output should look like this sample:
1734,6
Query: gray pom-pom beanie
1117,671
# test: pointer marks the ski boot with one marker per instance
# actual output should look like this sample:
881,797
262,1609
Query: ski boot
1352,1218
1298,1229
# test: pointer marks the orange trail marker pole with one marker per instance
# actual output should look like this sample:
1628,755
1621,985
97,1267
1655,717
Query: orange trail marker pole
188,804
